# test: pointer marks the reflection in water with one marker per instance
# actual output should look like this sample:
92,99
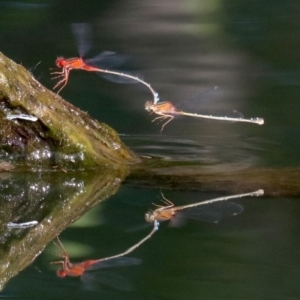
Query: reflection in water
162,213
167,212
22,225
79,269
231,152
54,200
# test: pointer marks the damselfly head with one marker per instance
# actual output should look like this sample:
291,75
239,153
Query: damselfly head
149,106
61,273
149,216
60,62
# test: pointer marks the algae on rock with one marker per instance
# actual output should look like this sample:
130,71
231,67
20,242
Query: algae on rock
62,136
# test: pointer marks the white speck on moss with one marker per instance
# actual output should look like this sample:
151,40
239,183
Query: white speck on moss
3,79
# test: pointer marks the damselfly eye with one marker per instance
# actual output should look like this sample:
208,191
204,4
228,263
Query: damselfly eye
148,106
61,273
149,217
60,61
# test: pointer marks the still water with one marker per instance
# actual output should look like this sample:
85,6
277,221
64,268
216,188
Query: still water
250,50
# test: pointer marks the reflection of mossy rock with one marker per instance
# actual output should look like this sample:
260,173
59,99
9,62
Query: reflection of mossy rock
55,200
63,136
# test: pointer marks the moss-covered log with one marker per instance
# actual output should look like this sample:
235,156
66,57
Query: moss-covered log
62,136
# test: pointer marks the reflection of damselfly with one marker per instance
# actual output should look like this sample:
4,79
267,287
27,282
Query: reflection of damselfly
167,111
106,60
167,212
80,269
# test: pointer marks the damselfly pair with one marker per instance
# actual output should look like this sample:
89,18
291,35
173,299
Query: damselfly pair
82,269
161,213
165,110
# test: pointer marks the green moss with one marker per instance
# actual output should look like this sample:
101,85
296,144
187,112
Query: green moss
63,134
